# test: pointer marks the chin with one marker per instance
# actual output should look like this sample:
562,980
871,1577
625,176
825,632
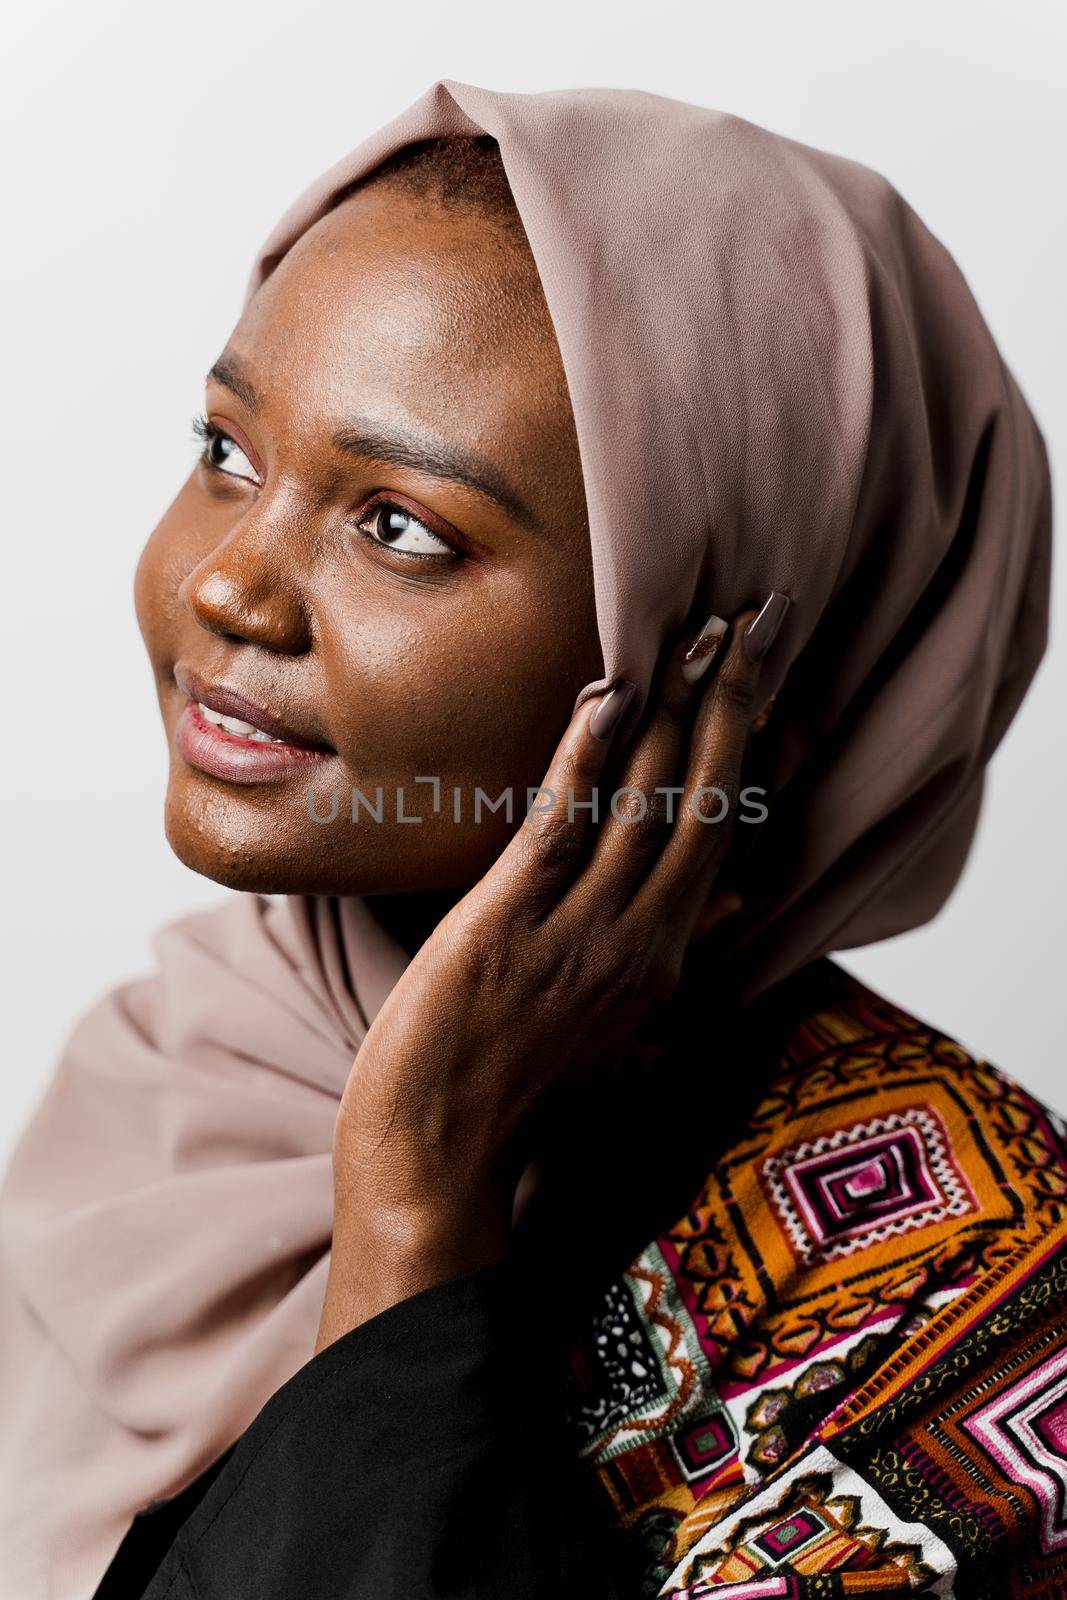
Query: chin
234,863
241,845
230,836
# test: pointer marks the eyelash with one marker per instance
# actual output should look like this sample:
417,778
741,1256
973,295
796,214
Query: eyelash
203,429
207,432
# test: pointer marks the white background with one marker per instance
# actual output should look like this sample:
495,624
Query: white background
147,151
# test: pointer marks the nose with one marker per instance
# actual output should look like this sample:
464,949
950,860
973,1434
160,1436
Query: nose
242,591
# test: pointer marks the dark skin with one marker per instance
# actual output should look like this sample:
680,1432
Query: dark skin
448,635
387,319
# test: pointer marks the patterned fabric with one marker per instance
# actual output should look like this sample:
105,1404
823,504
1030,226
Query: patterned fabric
844,1370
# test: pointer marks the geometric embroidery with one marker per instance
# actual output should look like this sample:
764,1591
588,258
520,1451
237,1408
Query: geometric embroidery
622,1371
1024,1430
740,1343
787,1538
824,1520
862,1184
705,1444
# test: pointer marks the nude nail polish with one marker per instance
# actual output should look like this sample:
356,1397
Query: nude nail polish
704,649
763,629
608,714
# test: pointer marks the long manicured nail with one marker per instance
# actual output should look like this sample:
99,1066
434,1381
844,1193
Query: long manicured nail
704,649
608,714
763,629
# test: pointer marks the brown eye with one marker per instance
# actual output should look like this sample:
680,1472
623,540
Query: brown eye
226,456
400,530
223,454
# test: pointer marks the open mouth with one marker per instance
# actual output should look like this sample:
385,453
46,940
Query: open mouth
223,732
238,729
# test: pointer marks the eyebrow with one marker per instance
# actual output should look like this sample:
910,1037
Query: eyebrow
398,447
229,372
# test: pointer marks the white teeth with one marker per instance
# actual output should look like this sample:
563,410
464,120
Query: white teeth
234,725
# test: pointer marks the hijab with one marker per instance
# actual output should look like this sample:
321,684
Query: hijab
780,380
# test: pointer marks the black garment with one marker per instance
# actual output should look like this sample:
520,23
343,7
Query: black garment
424,1455
417,1457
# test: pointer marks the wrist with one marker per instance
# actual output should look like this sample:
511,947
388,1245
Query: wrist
385,1253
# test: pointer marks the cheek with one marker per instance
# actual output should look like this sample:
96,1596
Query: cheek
146,591
170,553
476,689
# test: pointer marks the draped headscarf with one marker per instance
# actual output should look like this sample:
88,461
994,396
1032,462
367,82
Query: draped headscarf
780,380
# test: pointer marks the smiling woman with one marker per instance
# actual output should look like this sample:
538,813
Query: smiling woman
345,574
522,1203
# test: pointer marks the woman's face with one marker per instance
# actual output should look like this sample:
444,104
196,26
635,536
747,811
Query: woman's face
382,558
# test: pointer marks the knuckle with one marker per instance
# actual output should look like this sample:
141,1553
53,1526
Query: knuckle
709,804
737,690
584,767
716,800
672,711
554,843
648,830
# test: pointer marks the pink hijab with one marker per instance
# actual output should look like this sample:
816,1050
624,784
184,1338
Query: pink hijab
780,380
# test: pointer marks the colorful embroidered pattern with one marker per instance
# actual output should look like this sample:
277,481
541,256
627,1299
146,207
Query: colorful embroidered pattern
1024,1431
844,1370
861,1184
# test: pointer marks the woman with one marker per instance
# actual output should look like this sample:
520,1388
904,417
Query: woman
599,451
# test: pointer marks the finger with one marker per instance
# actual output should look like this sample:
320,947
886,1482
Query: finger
543,854
640,807
719,907
764,716
685,873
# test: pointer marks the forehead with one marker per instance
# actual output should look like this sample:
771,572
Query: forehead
394,302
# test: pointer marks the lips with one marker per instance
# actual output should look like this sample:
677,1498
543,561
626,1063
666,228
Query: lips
227,734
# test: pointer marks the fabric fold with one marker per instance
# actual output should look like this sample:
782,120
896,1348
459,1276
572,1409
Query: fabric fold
780,380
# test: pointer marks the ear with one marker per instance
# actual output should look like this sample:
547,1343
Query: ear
763,716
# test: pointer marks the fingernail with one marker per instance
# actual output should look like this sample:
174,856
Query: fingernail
606,717
704,649
763,629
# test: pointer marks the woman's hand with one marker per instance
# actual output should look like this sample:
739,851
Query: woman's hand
544,971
